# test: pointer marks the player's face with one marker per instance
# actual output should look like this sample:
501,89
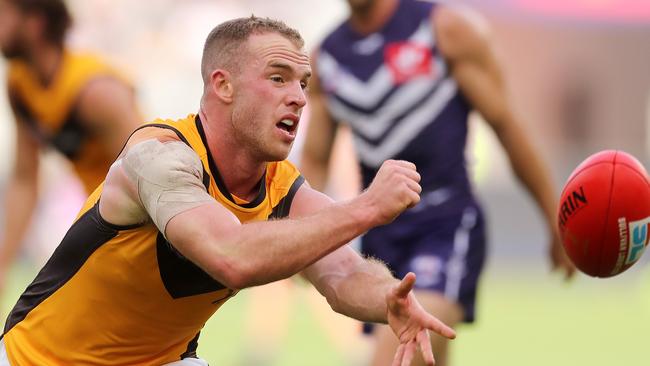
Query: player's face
269,95
11,19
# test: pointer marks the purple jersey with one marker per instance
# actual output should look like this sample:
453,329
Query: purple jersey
395,91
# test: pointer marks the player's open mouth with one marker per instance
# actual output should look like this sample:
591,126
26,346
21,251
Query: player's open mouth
288,124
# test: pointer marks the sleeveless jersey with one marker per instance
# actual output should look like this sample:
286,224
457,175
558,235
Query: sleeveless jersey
122,295
394,90
50,111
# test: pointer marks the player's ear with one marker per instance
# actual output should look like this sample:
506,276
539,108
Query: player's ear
221,84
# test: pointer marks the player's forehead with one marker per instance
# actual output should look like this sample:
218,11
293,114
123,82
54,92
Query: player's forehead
273,48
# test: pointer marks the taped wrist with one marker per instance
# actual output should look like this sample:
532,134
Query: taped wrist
168,177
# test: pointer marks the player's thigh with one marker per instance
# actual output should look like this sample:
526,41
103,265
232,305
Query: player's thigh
448,262
4,361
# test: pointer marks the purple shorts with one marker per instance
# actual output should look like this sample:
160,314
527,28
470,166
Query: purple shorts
446,252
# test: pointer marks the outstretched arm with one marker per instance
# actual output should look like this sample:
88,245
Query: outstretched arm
20,197
365,289
241,255
464,41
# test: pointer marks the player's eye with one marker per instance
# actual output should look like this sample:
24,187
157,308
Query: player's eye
277,79
304,85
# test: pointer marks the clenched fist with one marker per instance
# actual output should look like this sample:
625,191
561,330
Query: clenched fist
395,188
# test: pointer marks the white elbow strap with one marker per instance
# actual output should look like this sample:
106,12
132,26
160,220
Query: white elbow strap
168,177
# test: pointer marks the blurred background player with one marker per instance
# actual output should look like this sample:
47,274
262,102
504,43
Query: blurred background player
72,102
405,75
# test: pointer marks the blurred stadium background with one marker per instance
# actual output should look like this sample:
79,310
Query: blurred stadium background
579,74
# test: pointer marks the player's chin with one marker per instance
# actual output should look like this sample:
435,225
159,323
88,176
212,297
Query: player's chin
279,153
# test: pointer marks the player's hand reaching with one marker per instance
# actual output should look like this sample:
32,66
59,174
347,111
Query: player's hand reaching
395,188
559,259
411,323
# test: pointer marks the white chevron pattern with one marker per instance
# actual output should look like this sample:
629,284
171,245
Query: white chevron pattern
374,125
408,128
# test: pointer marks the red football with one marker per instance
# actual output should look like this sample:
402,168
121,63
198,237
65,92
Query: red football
604,213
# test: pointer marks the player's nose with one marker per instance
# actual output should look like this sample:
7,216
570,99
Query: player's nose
297,96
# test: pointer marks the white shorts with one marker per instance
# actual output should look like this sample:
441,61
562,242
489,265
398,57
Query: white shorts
185,362
4,361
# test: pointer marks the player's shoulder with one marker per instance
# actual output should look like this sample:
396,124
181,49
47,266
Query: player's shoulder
459,17
282,173
85,59
17,72
283,184
154,130
88,65
334,37
460,29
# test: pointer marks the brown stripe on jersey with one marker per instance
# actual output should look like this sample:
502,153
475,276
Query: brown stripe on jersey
73,133
21,110
181,277
70,137
284,206
85,236
191,348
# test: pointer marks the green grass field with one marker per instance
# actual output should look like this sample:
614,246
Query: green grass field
524,319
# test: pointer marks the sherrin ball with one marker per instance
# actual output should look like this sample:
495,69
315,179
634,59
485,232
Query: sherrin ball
604,213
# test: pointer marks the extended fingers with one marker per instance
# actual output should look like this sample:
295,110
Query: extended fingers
399,354
409,353
425,347
406,285
439,327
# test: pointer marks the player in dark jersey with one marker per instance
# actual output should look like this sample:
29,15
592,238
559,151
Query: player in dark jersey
194,210
60,98
404,76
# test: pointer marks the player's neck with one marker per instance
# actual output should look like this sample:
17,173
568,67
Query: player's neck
366,21
45,60
239,171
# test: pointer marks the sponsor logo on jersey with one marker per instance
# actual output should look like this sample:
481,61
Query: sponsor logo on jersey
407,60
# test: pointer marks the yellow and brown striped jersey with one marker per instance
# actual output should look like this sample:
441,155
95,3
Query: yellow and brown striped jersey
117,295
50,111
